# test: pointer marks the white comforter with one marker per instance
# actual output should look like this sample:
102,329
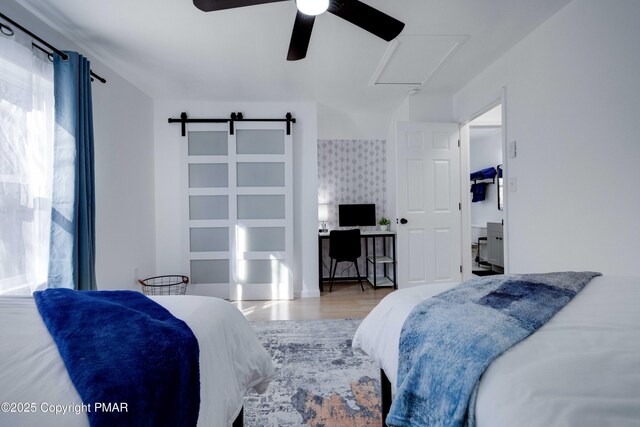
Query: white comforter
32,371
582,368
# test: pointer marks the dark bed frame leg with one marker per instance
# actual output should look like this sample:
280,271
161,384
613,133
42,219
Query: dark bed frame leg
385,391
239,421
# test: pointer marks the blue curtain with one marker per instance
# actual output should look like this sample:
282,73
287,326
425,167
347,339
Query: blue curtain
72,247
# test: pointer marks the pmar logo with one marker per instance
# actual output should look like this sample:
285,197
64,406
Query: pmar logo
111,407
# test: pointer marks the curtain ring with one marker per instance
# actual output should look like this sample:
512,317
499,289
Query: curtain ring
50,56
7,31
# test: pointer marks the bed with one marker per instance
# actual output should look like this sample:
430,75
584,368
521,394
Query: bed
232,361
582,368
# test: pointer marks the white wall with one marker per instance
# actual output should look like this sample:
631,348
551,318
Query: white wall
485,151
169,250
340,124
430,107
572,105
123,132
125,203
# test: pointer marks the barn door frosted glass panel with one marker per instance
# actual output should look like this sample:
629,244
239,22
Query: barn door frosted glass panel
265,239
208,143
209,239
209,207
260,141
208,175
261,207
214,271
257,174
264,212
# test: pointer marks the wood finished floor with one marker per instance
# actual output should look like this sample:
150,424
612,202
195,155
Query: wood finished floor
346,301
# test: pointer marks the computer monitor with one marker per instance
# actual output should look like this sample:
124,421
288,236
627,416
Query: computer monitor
357,215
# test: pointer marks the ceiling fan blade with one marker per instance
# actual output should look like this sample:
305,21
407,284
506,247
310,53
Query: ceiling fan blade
367,18
212,5
300,37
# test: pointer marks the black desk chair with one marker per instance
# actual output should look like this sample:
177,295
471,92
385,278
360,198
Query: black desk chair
344,246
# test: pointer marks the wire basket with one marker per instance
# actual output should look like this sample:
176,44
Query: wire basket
165,285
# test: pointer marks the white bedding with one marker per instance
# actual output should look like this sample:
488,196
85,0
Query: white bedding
31,369
582,368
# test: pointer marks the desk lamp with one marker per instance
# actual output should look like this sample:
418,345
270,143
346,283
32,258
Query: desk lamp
323,216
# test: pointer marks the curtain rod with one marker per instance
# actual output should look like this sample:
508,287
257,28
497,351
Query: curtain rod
63,55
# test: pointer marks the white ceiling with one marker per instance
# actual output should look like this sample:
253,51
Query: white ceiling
172,50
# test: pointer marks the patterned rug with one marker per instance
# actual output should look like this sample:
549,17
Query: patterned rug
320,380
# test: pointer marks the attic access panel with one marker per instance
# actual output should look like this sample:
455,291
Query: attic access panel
413,60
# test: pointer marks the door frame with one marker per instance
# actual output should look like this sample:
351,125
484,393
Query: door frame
465,170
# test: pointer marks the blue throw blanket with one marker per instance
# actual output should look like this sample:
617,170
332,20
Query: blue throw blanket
449,340
122,347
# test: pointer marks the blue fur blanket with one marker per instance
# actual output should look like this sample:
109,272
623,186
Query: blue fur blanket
449,340
122,347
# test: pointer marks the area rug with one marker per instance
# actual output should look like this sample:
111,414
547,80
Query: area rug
320,380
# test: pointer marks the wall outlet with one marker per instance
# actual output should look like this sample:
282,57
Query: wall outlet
513,150
513,184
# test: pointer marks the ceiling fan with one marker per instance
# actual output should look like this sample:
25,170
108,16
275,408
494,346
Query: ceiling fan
354,11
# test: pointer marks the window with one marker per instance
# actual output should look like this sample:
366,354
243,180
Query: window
26,162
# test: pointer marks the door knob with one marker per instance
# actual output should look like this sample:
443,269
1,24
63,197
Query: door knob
403,221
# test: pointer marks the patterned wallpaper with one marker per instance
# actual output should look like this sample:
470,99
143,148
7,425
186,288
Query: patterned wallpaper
351,171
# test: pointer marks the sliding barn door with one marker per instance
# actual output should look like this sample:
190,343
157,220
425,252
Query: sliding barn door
238,236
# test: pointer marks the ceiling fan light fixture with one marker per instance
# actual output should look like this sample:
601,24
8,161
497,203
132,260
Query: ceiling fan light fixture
312,7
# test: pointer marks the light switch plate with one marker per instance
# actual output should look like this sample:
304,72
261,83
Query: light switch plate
512,150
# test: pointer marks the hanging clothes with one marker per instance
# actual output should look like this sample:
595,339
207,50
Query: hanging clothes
479,191
488,173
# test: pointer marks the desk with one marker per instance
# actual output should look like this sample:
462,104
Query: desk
385,260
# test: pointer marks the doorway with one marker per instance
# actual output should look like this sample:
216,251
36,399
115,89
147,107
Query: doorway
486,193
237,210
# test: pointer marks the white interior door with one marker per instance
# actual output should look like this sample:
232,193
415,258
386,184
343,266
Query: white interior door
428,203
238,232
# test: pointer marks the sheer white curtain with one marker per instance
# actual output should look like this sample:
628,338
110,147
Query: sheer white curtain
26,161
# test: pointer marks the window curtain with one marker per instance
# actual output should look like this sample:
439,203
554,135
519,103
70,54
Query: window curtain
72,244
26,161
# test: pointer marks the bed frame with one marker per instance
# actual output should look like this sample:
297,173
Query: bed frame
239,421
385,396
